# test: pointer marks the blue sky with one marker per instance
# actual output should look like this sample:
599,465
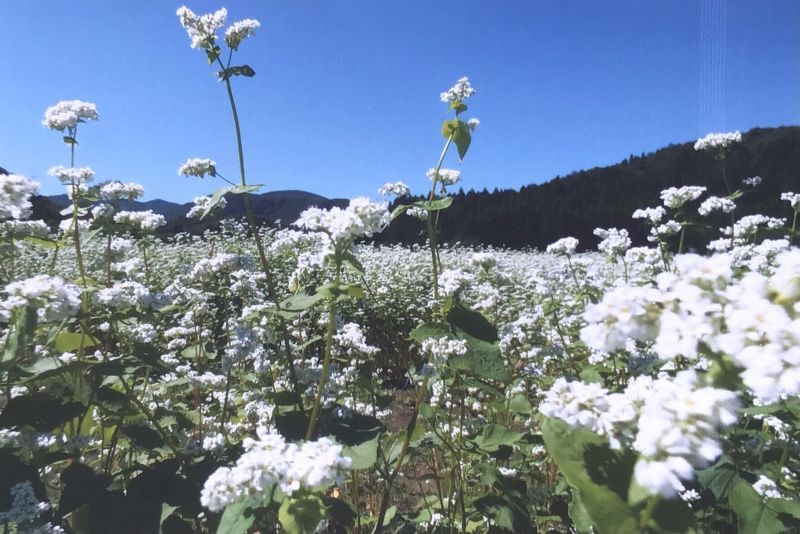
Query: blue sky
346,95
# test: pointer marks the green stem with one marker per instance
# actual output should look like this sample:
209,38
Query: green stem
326,362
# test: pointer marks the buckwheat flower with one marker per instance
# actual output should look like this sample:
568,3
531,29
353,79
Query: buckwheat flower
654,215
202,203
147,221
577,404
417,213
714,141
362,217
459,92
198,167
566,246
124,295
52,298
445,176
72,176
25,505
473,124
767,488
202,30
675,197
752,181
239,31
484,260
15,192
68,113
725,205
117,190
793,199
614,241
451,281
443,348
397,189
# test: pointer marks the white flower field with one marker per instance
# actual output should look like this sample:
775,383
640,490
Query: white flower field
305,380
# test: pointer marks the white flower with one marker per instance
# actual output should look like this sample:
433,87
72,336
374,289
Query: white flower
793,199
117,190
752,181
675,197
715,141
268,462
767,488
473,124
202,29
202,203
362,217
52,298
565,246
239,31
198,167
147,221
440,349
725,205
614,242
124,295
15,191
459,92
445,176
68,113
397,189
654,215
72,176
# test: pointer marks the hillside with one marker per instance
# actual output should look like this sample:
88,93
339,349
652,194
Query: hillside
576,204
537,215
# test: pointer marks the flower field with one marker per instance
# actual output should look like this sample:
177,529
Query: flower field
303,380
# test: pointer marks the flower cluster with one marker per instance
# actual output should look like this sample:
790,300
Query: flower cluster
198,167
566,246
113,191
73,176
15,191
459,92
362,217
146,221
202,29
675,197
793,199
52,298
614,242
66,114
714,141
270,461
711,204
444,176
201,205
397,189
239,31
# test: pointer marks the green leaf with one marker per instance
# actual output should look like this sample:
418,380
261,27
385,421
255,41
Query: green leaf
216,198
143,436
719,478
72,341
235,520
301,301
493,436
570,448
399,210
759,515
520,405
579,515
69,140
300,514
504,513
242,70
473,323
350,259
363,455
42,241
429,330
458,106
462,137
436,204
17,340
482,359
241,189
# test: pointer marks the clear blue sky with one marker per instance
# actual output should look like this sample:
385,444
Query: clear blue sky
346,95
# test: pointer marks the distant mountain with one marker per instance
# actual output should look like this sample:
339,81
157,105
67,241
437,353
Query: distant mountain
537,215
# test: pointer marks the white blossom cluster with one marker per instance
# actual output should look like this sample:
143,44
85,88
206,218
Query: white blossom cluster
444,176
452,281
15,192
442,348
74,176
715,141
749,225
396,189
202,29
270,461
614,242
198,167
459,92
201,205
672,423
711,204
675,197
362,217
566,246
125,294
752,181
146,221
653,215
239,31
793,199
52,298
25,506
68,113
350,338
116,190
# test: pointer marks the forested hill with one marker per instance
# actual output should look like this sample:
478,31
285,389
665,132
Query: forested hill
576,204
